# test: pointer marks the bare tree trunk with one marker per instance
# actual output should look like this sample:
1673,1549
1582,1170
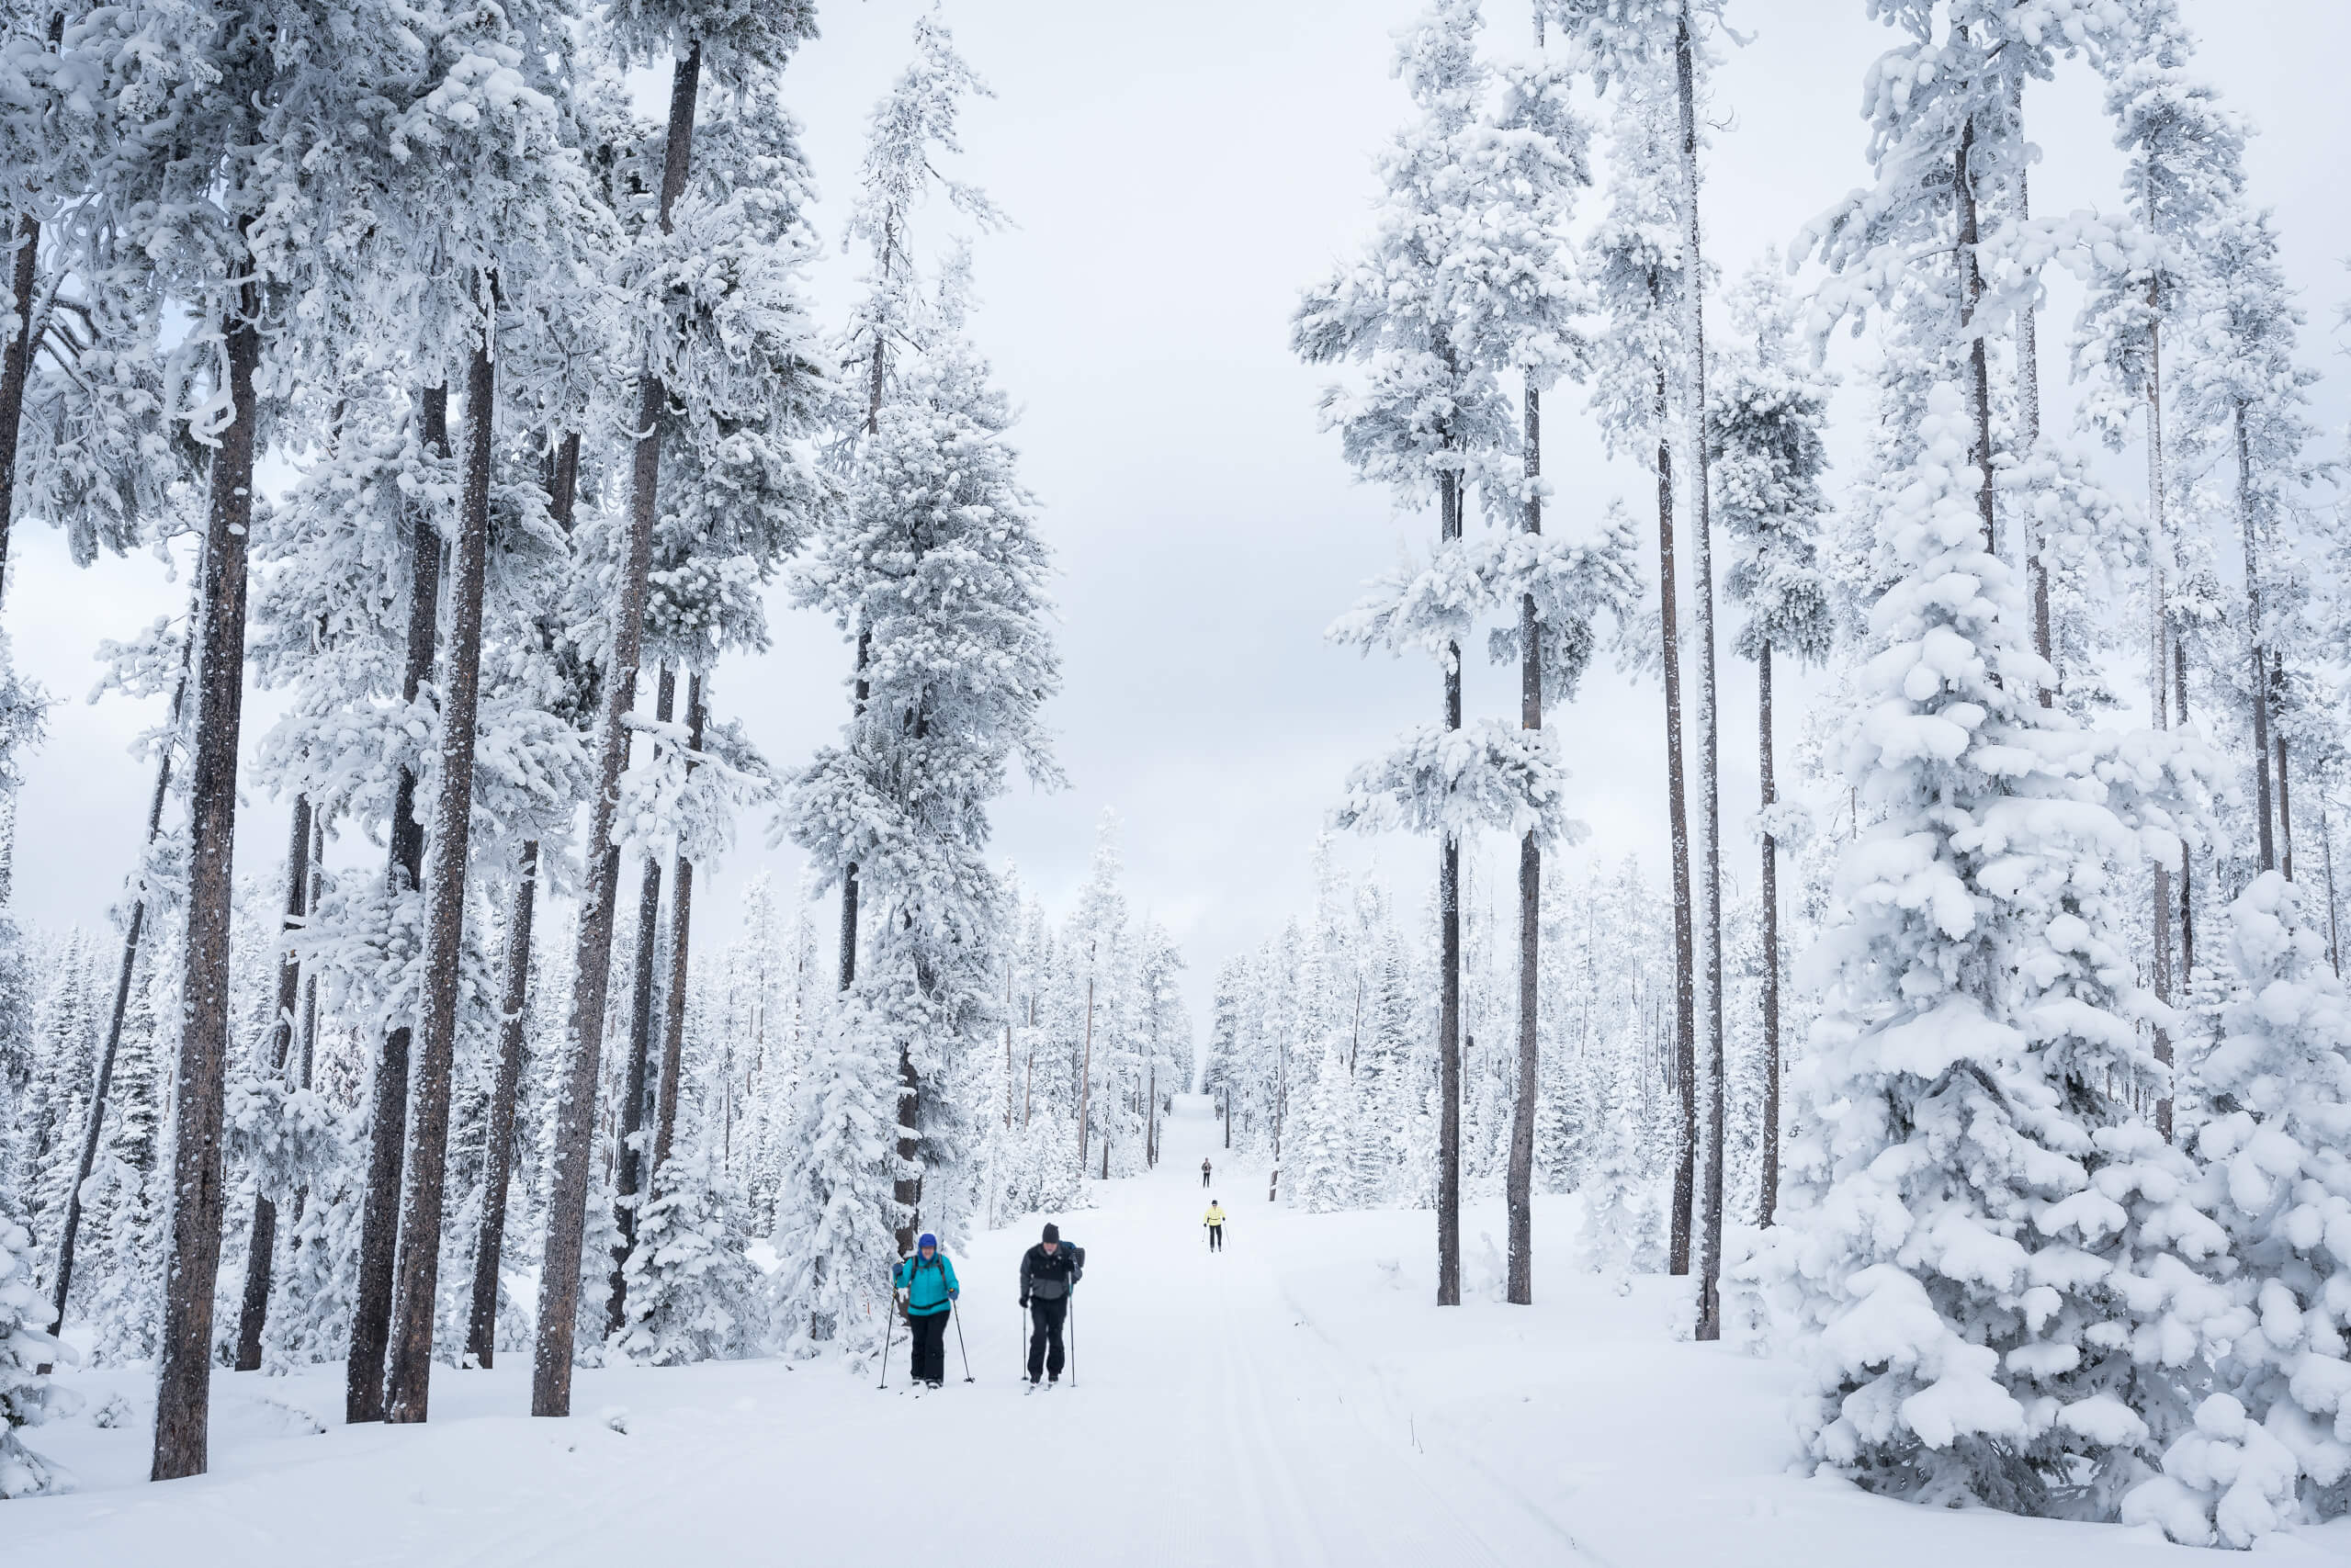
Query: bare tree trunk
418,1276
183,1375
1971,296
125,970
559,1291
1770,1204
2028,429
363,1384
629,1187
2186,875
1449,964
2158,689
2260,688
489,1244
681,929
498,1150
1693,304
1520,1179
1678,816
2334,926
1086,1071
2285,794
16,368
262,1245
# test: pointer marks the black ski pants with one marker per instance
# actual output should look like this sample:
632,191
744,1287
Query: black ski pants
1203,1176
1216,1238
1047,1315
930,1346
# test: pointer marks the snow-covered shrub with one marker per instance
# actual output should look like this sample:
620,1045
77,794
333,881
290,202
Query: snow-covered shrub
694,1292
2278,1153
2228,1481
27,1397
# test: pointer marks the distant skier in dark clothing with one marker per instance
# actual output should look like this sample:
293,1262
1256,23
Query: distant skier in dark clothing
1203,1173
927,1290
1049,1271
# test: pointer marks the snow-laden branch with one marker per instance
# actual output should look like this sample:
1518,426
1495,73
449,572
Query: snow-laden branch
1488,774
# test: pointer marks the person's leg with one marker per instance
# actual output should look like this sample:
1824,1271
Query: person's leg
1059,1310
934,1340
1037,1337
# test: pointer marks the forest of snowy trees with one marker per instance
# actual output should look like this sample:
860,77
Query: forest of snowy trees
2015,1111
560,416
1990,1063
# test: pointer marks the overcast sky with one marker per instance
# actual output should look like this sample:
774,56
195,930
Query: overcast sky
1178,173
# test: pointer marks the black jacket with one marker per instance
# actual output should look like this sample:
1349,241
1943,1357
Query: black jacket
1050,1276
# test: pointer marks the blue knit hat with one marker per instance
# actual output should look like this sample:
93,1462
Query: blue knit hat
926,1239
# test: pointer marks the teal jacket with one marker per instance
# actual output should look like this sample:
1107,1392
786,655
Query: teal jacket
928,1286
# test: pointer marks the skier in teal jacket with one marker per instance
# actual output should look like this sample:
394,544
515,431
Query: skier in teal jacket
926,1292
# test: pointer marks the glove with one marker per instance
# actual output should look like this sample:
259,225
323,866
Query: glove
1025,1303
953,1295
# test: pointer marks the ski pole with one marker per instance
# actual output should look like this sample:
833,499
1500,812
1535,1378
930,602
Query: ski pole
1073,1339
958,1321
889,1323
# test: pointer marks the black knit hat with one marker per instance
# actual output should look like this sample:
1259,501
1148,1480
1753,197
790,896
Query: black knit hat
1053,1233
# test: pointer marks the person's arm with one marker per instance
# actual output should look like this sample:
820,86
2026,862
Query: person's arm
1027,1268
948,1265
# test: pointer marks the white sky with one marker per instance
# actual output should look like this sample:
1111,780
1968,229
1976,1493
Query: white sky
1178,173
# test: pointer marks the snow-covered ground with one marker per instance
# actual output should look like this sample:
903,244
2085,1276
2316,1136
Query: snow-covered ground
1295,1401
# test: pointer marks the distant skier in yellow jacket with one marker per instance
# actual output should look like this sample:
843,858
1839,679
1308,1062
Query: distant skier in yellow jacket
1214,1221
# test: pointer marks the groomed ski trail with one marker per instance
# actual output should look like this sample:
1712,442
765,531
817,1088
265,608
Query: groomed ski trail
1210,1425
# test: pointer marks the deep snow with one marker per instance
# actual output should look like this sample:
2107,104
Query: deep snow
1294,1401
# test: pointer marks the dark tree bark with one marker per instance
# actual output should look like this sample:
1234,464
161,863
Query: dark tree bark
184,1376
559,1291
2259,690
1448,967
2027,435
16,368
680,934
125,969
2285,793
1710,1313
418,1281
2158,687
630,1186
1519,1179
498,1152
1685,1059
1769,1201
849,872
1972,297
262,1245
2187,874
490,1245
363,1373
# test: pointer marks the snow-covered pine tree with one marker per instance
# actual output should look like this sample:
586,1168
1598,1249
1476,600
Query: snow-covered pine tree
1770,410
2266,1450
933,569
27,1396
690,307
1994,1270
1432,418
1633,258
1657,41
694,1294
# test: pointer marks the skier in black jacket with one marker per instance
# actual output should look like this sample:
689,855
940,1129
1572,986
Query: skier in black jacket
1049,1271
